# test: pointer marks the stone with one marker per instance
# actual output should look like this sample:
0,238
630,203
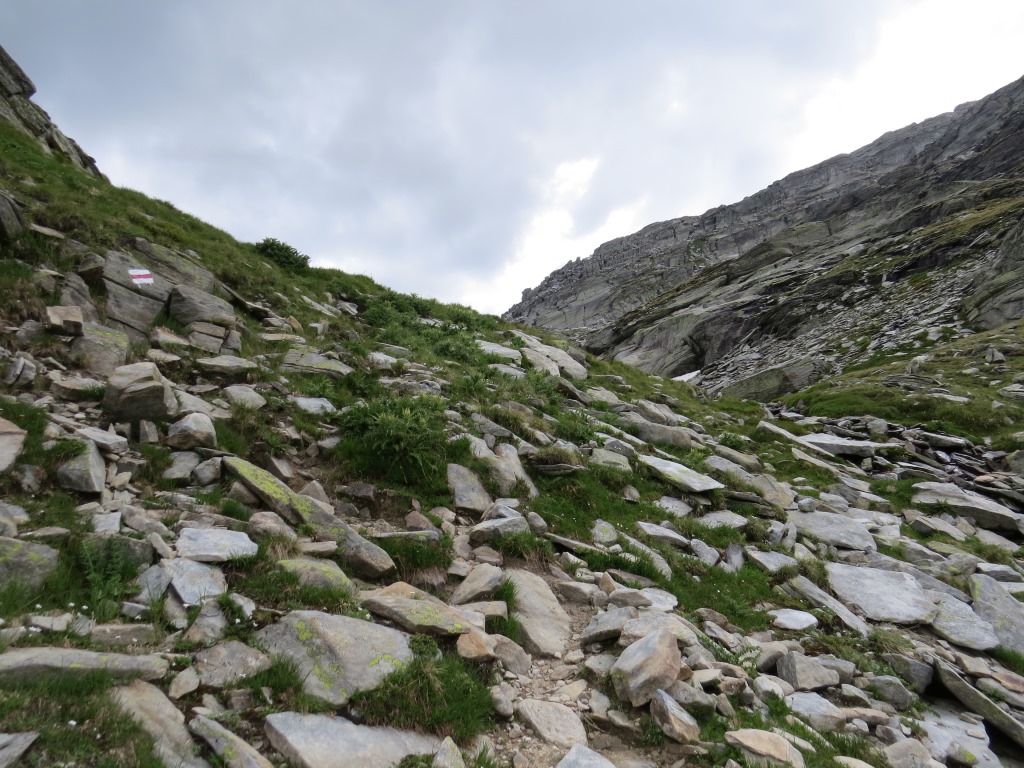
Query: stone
953,739
584,757
25,563
233,751
956,622
14,745
336,655
804,673
985,512
492,530
313,741
123,634
105,440
12,439
674,721
302,359
841,446
821,599
209,626
680,476
193,581
279,497
1004,612
65,320
317,572
976,702
607,625
195,430
214,545
601,458
22,664
228,366
244,396
147,705
490,348
546,627
907,753
480,583
139,391
229,663
416,611
448,755
645,666
817,711
468,492
831,528
100,349
891,690
191,305
554,723
881,595
84,473
183,464
765,748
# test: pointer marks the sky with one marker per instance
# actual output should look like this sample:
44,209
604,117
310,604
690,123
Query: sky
464,149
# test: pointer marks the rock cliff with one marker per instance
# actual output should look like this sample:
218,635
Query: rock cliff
912,233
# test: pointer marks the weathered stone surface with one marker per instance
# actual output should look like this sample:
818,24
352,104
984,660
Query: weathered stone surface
100,349
978,702
770,489
881,595
676,723
788,618
416,611
819,712
804,673
336,655
29,663
306,360
545,625
607,625
191,305
85,473
214,545
658,434
195,430
985,512
147,705
139,391
584,757
959,624
317,572
25,563
837,530
228,663
952,739
275,494
469,493
226,365
490,348
12,438
313,741
1003,611
193,581
244,396
680,476
480,583
14,745
554,723
104,439
765,747
646,666
234,751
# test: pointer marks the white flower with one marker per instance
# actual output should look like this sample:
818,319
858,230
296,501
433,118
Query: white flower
72,723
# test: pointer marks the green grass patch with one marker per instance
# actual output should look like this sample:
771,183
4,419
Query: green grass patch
1012,660
412,554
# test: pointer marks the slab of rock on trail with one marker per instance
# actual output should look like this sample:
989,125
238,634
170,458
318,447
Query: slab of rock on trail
147,705
323,741
1001,609
831,528
584,757
985,512
29,663
85,473
546,626
680,476
554,723
229,663
960,625
881,595
676,723
234,751
139,391
214,545
336,655
415,610
480,583
765,747
14,745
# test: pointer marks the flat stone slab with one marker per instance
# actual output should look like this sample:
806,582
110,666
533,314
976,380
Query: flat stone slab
467,489
960,625
336,655
837,530
228,663
545,624
554,723
150,708
1001,609
985,512
680,476
214,545
28,663
791,619
881,595
821,599
14,745
26,563
646,666
841,446
979,703
765,747
307,360
584,757
770,562
325,741
419,613
317,572
233,750
226,365
194,581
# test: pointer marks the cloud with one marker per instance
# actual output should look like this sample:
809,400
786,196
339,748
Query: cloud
423,143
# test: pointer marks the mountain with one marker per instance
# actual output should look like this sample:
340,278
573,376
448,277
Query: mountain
919,232
256,514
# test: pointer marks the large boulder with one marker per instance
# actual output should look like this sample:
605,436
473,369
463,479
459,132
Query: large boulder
191,305
139,392
25,563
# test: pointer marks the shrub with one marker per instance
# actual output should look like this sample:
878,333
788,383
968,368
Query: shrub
285,256
574,427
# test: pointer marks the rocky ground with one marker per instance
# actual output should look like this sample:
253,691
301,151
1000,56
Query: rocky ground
769,586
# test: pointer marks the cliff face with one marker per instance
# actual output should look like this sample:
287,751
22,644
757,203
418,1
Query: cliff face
795,270
16,90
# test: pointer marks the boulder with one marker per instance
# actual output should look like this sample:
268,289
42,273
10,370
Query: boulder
191,305
329,741
994,604
85,473
195,430
26,563
546,626
646,666
881,595
552,722
139,391
12,439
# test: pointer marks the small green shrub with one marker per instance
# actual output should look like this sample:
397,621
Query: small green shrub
574,427
413,554
285,256
732,440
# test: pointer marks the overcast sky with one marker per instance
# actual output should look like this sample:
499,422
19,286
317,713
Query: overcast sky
464,149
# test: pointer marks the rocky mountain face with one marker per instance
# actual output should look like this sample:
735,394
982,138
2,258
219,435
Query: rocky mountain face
260,517
916,232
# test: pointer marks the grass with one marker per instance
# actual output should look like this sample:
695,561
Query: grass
1012,660
526,545
77,722
436,693
284,680
412,554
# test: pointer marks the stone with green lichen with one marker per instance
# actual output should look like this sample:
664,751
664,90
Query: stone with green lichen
315,572
417,611
101,350
28,663
232,750
25,563
336,655
307,360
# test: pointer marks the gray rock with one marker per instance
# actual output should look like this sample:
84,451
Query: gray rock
881,595
609,459
985,512
25,563
680,476
317,572
584,757
646,666
545,625
139,391
105,440
607,625
765,748
318,406
842,446
492,530
183,464
228,366
85,473
244,396
192,581
676,723
306,360
952,739
1004,612
416,611
480,583
195,430
837,530
554,723
229,663
100,349
804,673
14,745
918,674
231,749
470,494
312,741
817,711
22,664
978,702
658,434
190,305
336,655
12,439
890,689
214,545
147,705
959,624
